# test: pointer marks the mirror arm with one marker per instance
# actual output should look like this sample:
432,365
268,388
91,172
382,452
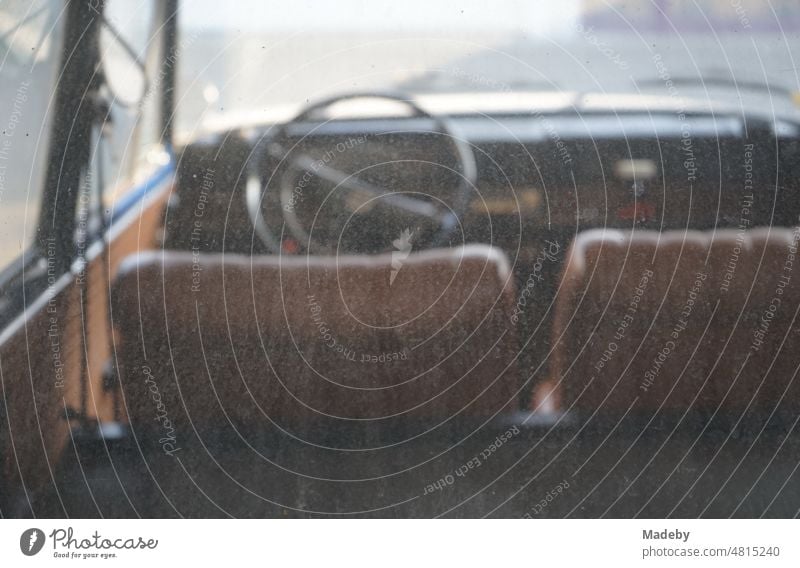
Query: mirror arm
101,109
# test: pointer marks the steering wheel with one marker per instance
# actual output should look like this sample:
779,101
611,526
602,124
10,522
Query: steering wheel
281,157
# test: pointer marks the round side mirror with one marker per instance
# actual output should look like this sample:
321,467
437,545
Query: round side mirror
124,73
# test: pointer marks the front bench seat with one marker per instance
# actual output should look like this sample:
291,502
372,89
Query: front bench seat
675,321
206,339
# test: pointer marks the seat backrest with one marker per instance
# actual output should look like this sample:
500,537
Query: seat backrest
212,338
649,321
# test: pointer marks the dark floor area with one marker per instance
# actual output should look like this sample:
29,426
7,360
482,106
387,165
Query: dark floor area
667,468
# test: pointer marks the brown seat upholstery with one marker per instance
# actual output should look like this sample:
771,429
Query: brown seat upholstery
213,338
677,320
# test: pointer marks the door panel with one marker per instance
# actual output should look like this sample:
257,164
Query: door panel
138,229
40,373
42,360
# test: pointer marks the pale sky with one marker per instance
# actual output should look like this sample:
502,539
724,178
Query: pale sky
546,17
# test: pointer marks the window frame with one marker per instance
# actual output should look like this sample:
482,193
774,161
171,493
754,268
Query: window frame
68,151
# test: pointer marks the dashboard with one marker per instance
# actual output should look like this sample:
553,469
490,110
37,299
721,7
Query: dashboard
537,173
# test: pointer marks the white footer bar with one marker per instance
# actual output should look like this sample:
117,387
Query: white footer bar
399,543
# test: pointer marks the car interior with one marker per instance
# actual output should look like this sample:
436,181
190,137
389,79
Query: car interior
407,303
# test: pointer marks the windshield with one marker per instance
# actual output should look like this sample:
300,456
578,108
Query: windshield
267,54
